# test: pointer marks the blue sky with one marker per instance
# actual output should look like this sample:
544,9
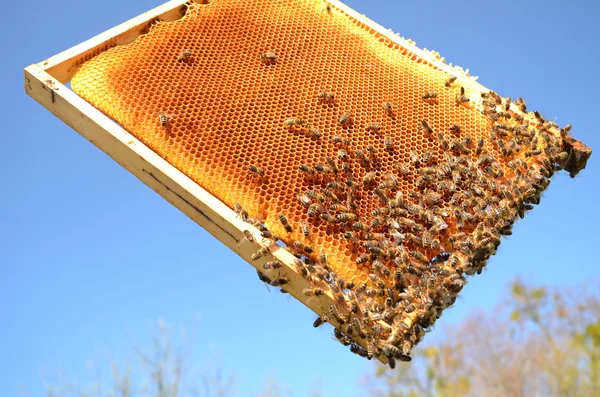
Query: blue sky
89,256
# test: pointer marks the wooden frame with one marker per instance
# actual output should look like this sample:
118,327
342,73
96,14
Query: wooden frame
45,81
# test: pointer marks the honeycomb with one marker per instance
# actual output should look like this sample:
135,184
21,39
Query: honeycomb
388,177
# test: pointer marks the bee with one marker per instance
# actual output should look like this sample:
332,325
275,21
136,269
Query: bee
336,314
260,253
293,122
326,97
326,217
419,256
373,127
304,200
329,194
345,119
184,56
240,212
272,265
249,237
414,158
345,217
387,142
285,223
320,320
369,178
313,291
342,154
387,107
454,128
427,157
268,58
479,146
256,171
332,164
336,139
380,267
426,128
280,280
462,98
521,104
335,186
306,169
364,159
538,116
315,195
450,80
164,118
315,209
362,258
314,133
305,228
565,130
429,95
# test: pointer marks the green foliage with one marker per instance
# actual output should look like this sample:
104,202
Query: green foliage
540,342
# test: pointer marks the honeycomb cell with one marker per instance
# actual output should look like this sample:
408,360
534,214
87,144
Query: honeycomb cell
439,201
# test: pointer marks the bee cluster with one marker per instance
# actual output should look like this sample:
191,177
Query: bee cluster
417,245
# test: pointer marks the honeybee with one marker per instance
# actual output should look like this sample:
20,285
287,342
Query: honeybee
332,164
249,237
342,154
304,200
538,116
521,104
326,97
184,56
240,212
414,158
314,133
272,265
306,169
454,128
373,127
462,98
315,209
369,178
336,314
338,207
346,217
164,118
345,119
320,320
329,194
387,142
279,280
292,122
429,95
268,58
326,217
337,139
450,80
364,159
313,291
305,228
285,223
256,171
479,146
387,107
565,130
315,195
260,253
426,128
